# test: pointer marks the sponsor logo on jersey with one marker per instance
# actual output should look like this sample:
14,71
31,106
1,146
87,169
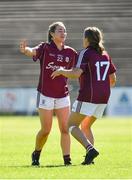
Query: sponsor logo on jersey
52,66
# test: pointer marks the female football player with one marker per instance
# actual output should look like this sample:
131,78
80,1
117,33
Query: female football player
96,73
53,95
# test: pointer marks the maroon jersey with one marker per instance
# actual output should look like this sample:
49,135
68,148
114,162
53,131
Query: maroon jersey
94,81
51,58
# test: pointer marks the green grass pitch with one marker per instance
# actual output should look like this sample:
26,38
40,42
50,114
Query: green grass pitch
113,139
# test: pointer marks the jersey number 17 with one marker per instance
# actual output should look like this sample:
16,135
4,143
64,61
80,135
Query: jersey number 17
99,66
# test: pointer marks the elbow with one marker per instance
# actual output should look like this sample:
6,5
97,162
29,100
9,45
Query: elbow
113,82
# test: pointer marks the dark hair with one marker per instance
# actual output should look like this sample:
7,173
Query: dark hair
95,38
52,29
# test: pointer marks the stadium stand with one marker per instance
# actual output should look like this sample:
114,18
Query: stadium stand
30,19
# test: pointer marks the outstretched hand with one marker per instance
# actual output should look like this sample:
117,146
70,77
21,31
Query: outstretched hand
23,45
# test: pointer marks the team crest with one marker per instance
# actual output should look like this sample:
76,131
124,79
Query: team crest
67,59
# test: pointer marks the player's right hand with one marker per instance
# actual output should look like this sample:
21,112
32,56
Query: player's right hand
23,45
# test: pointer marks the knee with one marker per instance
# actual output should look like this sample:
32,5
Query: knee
45,132
64,130
85,125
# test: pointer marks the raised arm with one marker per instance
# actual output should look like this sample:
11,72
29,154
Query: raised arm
27,50
69,73
112,78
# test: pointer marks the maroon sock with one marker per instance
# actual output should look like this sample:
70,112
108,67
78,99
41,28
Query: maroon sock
37,152
66,158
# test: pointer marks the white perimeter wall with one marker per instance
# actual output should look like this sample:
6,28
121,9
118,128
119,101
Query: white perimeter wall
24,100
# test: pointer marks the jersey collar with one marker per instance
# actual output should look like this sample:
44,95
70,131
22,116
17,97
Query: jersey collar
54,45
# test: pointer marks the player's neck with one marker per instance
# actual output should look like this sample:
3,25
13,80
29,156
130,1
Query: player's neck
59,45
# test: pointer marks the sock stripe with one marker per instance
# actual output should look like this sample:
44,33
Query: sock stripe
89,147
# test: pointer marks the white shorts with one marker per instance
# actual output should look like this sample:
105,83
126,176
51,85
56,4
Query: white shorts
89,109
50,103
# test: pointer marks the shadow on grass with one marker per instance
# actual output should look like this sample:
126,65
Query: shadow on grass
54,166
29,166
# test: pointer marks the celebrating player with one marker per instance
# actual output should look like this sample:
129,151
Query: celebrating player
53,95
96,73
